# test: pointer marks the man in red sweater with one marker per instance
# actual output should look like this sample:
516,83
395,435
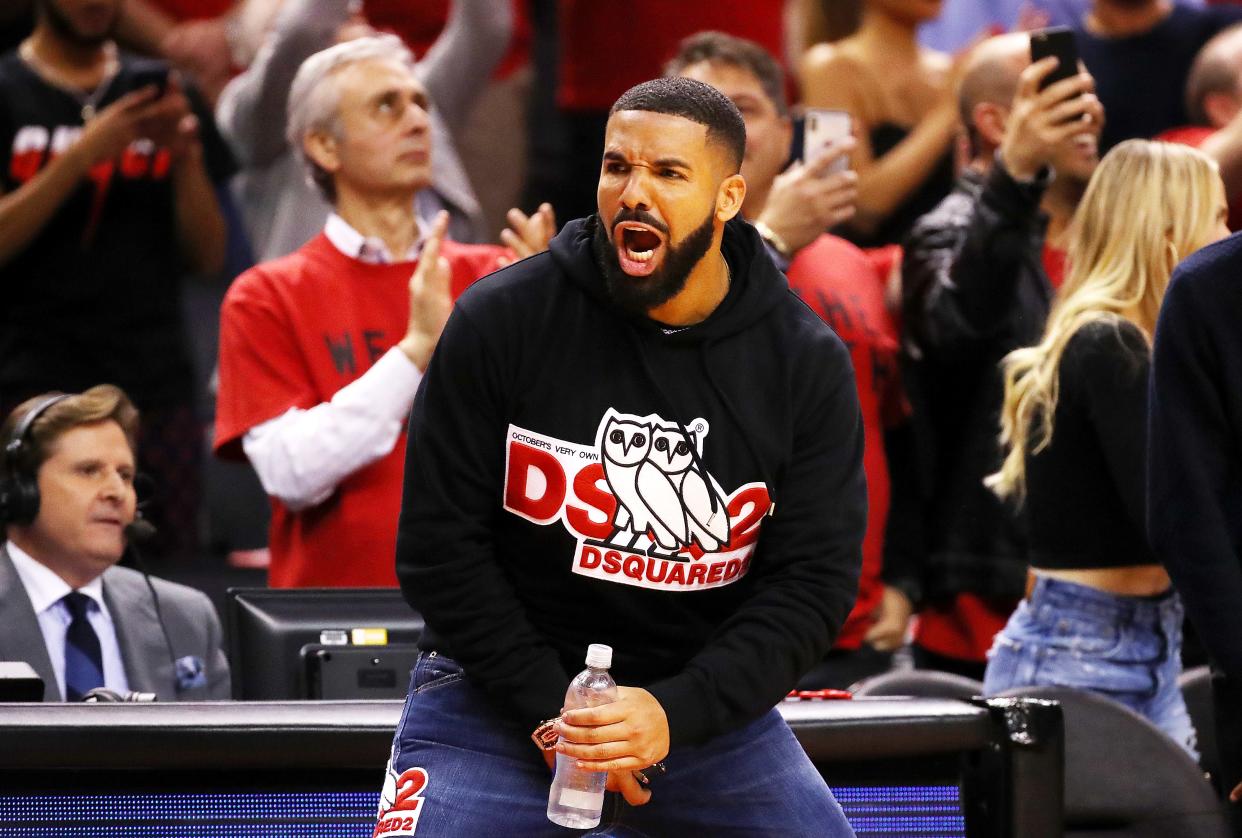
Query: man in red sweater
321,351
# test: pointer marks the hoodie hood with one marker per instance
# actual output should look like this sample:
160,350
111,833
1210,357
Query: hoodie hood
756,286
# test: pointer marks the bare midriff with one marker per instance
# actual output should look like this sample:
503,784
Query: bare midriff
1134,580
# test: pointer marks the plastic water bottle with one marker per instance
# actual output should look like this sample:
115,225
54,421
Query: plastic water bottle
577,796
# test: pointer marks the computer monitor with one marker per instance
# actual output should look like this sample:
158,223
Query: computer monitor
300,643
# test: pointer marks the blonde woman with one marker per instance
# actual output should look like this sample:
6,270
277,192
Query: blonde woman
1101,614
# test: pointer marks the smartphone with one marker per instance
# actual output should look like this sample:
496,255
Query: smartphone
1056,41
823,127
157,76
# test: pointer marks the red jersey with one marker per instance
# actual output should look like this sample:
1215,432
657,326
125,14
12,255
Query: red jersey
844,286
293,331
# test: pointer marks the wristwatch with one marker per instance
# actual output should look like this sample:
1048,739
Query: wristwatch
771,237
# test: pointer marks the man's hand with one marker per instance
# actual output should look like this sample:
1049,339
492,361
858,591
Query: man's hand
431,299
116,126
170,123
625,736
806,200
891,618
1040,121
528,235
1236,794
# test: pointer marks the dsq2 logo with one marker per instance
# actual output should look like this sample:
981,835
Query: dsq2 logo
401,803
644,509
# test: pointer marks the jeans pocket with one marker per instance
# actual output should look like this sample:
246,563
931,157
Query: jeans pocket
1079,634
433,670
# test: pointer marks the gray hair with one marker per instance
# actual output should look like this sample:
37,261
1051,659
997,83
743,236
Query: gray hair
315,100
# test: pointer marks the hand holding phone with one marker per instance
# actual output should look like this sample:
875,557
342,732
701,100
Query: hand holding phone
1058,42
822,129
153,76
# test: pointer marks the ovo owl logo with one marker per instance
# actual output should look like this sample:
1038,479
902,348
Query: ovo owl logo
641,502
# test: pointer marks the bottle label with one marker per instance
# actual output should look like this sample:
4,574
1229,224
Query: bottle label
575,799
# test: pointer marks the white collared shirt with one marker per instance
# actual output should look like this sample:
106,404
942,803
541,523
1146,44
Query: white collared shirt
46,591
368,249
302,455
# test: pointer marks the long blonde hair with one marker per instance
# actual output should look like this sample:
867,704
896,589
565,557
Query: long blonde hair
1148,205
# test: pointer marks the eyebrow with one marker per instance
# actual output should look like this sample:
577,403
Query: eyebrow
661,163
418,94
672,163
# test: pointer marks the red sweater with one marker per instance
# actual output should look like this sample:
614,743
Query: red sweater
293,331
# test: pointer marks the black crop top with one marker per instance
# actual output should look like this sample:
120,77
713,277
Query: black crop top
938,183
1086,490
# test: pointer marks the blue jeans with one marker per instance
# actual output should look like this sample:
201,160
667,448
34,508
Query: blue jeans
459,768
1122,647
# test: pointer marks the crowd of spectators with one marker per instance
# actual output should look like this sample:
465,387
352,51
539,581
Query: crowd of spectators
993,251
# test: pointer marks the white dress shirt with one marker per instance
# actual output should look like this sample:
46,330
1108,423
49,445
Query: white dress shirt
303,454
46,590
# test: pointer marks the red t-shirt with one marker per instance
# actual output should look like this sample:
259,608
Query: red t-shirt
844,286
293,331
607,48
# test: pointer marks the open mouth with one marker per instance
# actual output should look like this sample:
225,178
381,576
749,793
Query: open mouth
638,246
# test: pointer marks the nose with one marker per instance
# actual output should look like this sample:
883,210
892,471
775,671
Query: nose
417,119
115,487
635,195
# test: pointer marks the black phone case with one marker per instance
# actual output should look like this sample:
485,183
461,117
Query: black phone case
1058,41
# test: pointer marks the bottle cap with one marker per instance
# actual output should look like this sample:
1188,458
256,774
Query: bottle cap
599,656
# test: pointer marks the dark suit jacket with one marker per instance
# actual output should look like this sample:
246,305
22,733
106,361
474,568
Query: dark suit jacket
191,621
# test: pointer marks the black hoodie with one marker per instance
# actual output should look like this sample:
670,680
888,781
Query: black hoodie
575,475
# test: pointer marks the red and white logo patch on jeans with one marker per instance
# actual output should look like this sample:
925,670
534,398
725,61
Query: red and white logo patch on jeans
401,803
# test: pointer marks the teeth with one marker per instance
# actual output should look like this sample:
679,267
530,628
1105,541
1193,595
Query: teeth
640,255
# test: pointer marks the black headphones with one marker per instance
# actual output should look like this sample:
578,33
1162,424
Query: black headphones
19,489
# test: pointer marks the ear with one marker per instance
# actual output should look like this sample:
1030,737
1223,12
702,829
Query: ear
1220,108
989,120
320,146
729,197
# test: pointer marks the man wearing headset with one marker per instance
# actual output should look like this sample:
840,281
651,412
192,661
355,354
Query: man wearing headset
68,506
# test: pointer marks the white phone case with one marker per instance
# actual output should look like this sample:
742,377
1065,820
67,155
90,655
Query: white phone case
823,127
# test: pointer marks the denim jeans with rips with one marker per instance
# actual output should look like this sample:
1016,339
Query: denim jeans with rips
459,768
1122,647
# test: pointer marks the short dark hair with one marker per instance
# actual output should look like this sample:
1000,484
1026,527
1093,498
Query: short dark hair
722,48
693,100
101,403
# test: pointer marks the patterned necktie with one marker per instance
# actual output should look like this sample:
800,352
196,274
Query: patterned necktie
83,659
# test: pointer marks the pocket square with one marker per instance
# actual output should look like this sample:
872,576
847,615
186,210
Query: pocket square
191,673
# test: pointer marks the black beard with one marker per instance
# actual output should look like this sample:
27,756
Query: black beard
638,295
60,23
